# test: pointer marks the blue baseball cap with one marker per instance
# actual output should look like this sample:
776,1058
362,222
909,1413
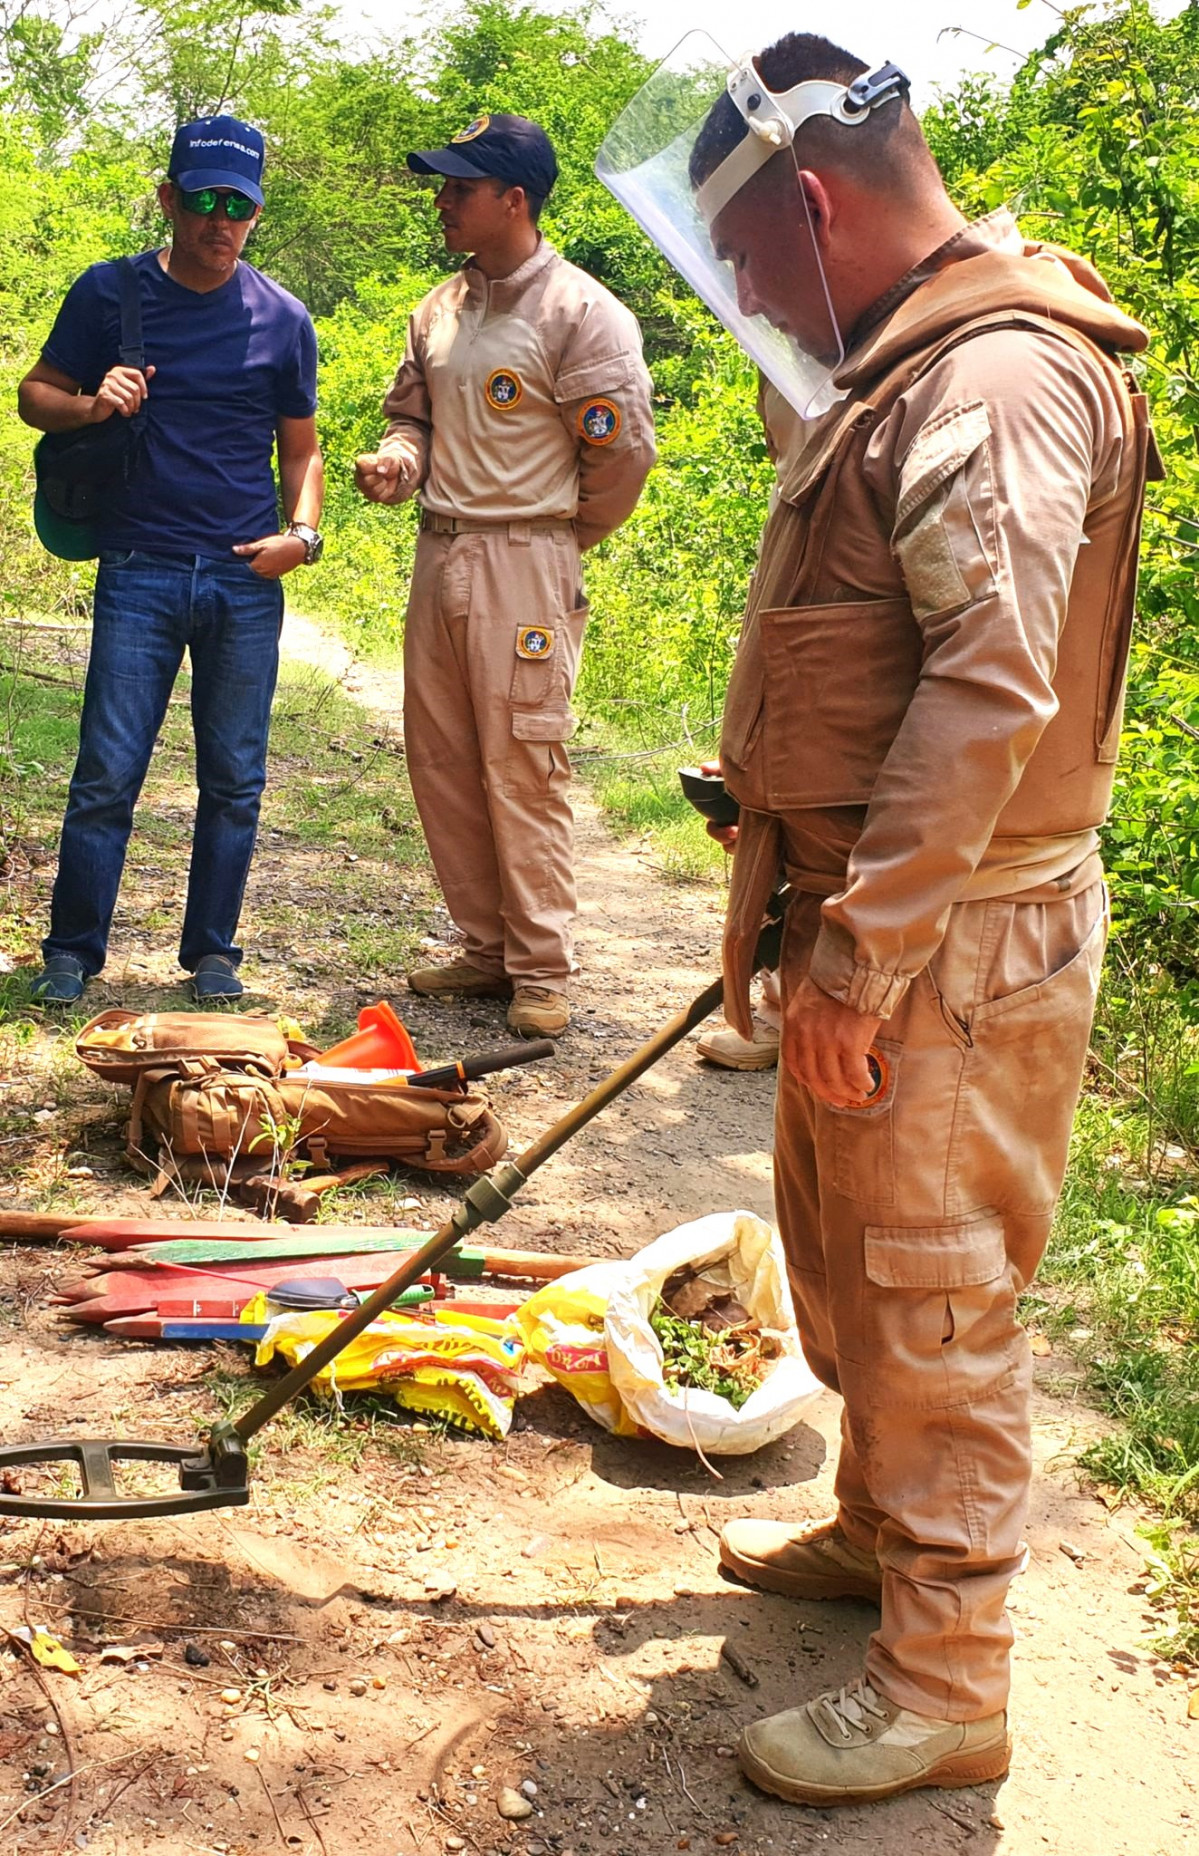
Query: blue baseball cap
507,148
218,151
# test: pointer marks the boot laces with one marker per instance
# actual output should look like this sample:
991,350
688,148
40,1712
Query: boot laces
847,1712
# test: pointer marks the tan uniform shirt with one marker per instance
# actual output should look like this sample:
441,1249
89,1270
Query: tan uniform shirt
525,398
969,502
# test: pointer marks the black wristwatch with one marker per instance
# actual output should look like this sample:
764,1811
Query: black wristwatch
314,541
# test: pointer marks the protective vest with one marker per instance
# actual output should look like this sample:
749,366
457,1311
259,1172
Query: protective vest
869,665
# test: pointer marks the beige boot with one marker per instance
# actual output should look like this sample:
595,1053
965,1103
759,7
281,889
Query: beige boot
854,1746
538,1012
813,1561
731,1051
458,978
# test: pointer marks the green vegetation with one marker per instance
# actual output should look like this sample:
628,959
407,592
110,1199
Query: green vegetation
1095,144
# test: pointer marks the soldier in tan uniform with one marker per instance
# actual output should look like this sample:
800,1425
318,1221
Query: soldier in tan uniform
922,728
521,413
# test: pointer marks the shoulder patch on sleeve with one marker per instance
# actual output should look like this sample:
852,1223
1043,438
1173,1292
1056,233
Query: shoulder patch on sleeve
937,452
599,421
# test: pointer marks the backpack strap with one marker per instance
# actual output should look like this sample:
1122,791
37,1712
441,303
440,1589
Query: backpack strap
132,349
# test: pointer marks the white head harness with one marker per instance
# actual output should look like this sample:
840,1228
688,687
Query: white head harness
775,118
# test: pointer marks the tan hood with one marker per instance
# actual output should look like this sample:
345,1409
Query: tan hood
1045,281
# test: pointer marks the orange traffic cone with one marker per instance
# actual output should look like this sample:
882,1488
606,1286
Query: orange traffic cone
380,1043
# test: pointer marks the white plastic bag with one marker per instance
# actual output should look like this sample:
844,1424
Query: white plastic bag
592,1331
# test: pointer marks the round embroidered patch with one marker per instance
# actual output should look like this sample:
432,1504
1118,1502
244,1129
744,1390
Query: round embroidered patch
472,129
599,422
534,641
503,389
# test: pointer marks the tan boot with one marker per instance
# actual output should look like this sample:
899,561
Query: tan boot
814,1561
459,979
731,1051
854,1746
538,1012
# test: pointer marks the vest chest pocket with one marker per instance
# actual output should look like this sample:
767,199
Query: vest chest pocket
836,685
543,677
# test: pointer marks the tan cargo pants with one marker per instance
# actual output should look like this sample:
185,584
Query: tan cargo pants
910,1228
491,652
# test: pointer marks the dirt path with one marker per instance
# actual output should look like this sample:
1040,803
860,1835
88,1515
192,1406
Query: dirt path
577,1645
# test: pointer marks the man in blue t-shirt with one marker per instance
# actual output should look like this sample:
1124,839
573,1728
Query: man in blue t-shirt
192,551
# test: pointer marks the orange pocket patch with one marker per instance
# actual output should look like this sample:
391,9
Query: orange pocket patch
504,389
599,422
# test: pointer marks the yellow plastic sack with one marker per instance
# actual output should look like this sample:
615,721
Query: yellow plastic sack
591,1330
461,1367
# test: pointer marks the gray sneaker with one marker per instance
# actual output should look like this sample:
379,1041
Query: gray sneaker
216,978
60,982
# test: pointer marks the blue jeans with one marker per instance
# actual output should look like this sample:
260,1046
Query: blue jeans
149,609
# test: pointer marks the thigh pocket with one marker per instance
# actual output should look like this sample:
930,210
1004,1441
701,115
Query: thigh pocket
543,677
1021,1082
863,1139
939,1323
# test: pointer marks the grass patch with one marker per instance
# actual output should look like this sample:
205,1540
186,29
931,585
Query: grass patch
648,801
1120,1284
342,1433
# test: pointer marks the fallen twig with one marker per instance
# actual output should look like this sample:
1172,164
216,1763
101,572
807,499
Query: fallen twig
688,1794
274,1807
68,1778
738,1664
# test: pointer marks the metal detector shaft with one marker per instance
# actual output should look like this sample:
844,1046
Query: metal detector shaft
487,1200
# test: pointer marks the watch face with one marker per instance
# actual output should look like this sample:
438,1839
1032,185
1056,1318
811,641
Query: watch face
316,548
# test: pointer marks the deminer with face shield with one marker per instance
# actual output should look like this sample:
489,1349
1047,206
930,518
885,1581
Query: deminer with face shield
921,728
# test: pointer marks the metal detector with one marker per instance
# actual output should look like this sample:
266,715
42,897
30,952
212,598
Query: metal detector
218,1475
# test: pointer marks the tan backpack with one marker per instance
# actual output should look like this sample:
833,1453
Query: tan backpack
215,1100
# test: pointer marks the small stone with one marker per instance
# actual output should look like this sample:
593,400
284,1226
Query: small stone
724,1837
511,1805
329,1687
724,1752
455,1843
195,1656
650,1718
1072,1552
231,1696
227,1646
995,1821
529,1787
358,1686
478,1772
486,1634
378,1681
252,1754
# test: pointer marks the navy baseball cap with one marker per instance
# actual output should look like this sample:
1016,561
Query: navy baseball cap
218,151
508,148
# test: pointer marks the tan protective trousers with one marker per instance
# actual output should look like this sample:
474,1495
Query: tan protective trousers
492,646
910,1228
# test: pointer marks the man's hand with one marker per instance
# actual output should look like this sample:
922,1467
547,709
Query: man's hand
272,556
385,476
122,390
825,1045
725,835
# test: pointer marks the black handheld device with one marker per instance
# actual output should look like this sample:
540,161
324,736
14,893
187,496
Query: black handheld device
709,795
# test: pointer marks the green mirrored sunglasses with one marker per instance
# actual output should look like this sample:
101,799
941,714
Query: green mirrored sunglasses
204,200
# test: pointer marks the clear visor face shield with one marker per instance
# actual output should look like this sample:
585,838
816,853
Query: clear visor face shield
704,160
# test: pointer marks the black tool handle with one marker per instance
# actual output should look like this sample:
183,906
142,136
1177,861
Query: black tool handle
483,1063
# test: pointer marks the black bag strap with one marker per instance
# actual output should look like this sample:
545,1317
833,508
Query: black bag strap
132,350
